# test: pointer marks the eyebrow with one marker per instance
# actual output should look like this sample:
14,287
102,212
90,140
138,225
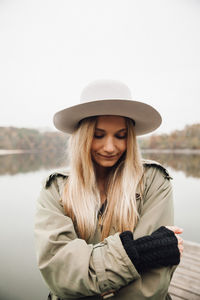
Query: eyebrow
102,130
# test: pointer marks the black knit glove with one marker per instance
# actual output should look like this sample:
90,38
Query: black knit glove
152,251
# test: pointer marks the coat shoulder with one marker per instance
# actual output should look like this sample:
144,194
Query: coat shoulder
63,174
152,164
53,177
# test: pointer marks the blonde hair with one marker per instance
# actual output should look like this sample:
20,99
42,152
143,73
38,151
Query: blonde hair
81,196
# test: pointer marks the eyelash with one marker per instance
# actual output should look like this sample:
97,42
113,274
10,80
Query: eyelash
118,137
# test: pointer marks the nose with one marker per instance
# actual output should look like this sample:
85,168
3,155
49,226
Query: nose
109,145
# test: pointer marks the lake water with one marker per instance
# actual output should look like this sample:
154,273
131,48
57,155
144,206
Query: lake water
20,181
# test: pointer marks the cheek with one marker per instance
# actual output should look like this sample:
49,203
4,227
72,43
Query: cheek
95,146
123,145
94,149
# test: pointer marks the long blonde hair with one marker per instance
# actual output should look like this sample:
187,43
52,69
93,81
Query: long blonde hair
81,196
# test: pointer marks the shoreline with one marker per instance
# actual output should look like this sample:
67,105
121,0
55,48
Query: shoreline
174,151
16,151
157,151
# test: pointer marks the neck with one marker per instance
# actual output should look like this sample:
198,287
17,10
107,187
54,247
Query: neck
102,172
101,176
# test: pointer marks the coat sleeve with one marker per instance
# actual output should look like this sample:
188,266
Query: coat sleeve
157,210
70,267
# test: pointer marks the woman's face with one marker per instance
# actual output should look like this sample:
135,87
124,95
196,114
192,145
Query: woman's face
109,141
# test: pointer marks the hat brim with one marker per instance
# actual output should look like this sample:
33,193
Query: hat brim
146,118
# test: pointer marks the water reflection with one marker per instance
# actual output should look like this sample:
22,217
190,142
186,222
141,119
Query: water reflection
26,162
188,163
19,194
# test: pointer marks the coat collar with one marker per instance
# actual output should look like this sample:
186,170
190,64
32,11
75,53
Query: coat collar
65,173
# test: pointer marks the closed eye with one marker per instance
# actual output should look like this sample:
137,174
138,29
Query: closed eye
121,137
98,136
117,136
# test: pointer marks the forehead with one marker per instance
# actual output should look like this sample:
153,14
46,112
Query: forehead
115,122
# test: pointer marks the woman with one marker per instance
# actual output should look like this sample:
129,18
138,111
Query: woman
105,228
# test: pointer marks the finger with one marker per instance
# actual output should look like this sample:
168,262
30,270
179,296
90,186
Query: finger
180,240
175,229
181,250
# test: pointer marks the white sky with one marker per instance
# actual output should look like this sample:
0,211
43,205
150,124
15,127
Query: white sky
49,50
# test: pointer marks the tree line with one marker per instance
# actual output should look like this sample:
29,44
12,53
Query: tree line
187,138
34,140
31,139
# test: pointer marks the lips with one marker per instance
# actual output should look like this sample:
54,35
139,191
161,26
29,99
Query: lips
107,156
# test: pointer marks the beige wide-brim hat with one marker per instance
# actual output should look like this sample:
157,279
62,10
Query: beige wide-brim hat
108,97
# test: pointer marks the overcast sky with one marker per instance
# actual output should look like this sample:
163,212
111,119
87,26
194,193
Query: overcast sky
49,50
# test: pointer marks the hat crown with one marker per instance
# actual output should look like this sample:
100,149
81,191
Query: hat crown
105,90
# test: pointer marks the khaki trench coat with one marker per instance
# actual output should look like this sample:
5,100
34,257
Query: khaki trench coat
73,268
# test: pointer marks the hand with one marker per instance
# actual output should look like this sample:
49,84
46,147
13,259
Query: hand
159,249
177,230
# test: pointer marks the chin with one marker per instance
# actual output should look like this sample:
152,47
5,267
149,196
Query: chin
106,164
